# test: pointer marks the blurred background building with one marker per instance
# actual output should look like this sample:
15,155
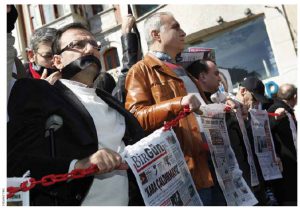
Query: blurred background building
256,40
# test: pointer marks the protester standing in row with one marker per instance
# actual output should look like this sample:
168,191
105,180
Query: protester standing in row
286,189
39,53
156,93
85,137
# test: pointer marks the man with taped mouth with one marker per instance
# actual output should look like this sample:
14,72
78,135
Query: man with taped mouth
93,129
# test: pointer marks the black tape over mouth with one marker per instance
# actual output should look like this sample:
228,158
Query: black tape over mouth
78,65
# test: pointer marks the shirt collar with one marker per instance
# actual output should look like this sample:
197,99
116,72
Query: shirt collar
162,56
71,82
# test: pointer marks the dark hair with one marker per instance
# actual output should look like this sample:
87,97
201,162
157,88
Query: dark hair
56,43
12,17
287,91
198,67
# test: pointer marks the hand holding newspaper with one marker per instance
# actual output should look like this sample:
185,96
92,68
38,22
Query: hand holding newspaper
161,171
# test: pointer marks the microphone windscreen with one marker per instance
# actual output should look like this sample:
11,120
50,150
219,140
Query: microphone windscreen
54,122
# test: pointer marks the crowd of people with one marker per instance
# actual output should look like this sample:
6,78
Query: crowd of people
100,117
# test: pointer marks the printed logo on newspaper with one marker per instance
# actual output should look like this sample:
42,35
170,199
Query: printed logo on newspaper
141,160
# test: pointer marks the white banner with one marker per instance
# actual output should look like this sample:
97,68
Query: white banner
263,144
235,189
161,171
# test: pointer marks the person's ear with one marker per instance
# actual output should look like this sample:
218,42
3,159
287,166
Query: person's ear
30,55
295,97
57,62
243,91
201,76
155,35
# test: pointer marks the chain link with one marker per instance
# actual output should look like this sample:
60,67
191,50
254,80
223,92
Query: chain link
81,173
227,109
168,125
78,173
273,114
51,179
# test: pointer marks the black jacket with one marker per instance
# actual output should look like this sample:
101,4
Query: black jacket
281,130
131,55
105,82
31,103
285,149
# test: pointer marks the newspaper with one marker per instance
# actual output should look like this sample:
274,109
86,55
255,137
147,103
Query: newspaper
263,144
20,198
253,172
293,128
161,171
193,54
235,189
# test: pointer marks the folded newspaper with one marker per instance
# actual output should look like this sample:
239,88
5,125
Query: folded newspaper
161,171
195,53
264,145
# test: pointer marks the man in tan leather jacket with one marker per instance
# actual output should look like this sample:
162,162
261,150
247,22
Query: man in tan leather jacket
157,90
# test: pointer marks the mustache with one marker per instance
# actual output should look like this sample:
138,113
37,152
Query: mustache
78,65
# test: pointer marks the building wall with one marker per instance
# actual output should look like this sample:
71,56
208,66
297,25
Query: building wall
200,23
291,14
282,45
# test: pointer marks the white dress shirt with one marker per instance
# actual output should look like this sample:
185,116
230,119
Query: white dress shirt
109,188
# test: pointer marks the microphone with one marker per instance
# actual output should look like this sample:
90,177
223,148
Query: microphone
53,123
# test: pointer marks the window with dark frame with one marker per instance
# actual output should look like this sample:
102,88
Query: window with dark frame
111,59
244,51
35,16
56,12
78,9
42,14
97,8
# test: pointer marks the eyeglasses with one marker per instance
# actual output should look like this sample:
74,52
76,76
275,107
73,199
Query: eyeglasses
45,56
80,45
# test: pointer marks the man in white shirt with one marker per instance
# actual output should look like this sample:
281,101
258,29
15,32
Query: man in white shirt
95,128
